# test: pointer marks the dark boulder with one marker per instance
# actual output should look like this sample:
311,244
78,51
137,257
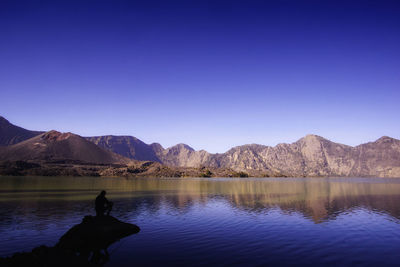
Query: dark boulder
85,244
96,232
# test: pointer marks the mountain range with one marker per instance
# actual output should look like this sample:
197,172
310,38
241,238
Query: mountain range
311,155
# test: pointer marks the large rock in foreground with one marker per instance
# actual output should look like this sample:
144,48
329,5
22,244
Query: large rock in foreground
95,233
85,244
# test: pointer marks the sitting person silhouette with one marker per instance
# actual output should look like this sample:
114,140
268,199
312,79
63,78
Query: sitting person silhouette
102,204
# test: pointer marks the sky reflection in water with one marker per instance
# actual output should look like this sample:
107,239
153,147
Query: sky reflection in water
215,221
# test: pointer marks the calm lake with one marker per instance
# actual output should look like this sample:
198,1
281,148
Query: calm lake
215,221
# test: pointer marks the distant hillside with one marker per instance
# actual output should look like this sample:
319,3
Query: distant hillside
11,134
53,145
127,146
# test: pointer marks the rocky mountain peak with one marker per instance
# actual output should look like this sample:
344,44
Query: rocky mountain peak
312,140
156,147
54,135
386,139
313,137
181,146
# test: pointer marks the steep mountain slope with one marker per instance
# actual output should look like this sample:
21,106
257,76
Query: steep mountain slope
11,134
53,145
127,146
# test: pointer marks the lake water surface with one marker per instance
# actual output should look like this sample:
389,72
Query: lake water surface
215,221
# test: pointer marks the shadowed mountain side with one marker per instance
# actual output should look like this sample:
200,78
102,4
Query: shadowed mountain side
11,134
53,146
127,146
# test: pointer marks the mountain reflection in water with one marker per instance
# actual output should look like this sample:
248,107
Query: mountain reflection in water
316,198
37,209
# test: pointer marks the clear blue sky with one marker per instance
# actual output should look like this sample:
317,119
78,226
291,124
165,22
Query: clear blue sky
212,74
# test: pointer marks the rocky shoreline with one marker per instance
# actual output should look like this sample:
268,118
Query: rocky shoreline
139,169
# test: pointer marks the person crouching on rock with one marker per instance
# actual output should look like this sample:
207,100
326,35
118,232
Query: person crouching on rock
102,204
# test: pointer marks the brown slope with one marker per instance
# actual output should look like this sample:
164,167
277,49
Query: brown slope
11,134
54,145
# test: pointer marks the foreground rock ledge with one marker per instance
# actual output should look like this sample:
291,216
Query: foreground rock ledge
85,244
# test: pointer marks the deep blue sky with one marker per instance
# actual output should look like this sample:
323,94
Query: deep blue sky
212,74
